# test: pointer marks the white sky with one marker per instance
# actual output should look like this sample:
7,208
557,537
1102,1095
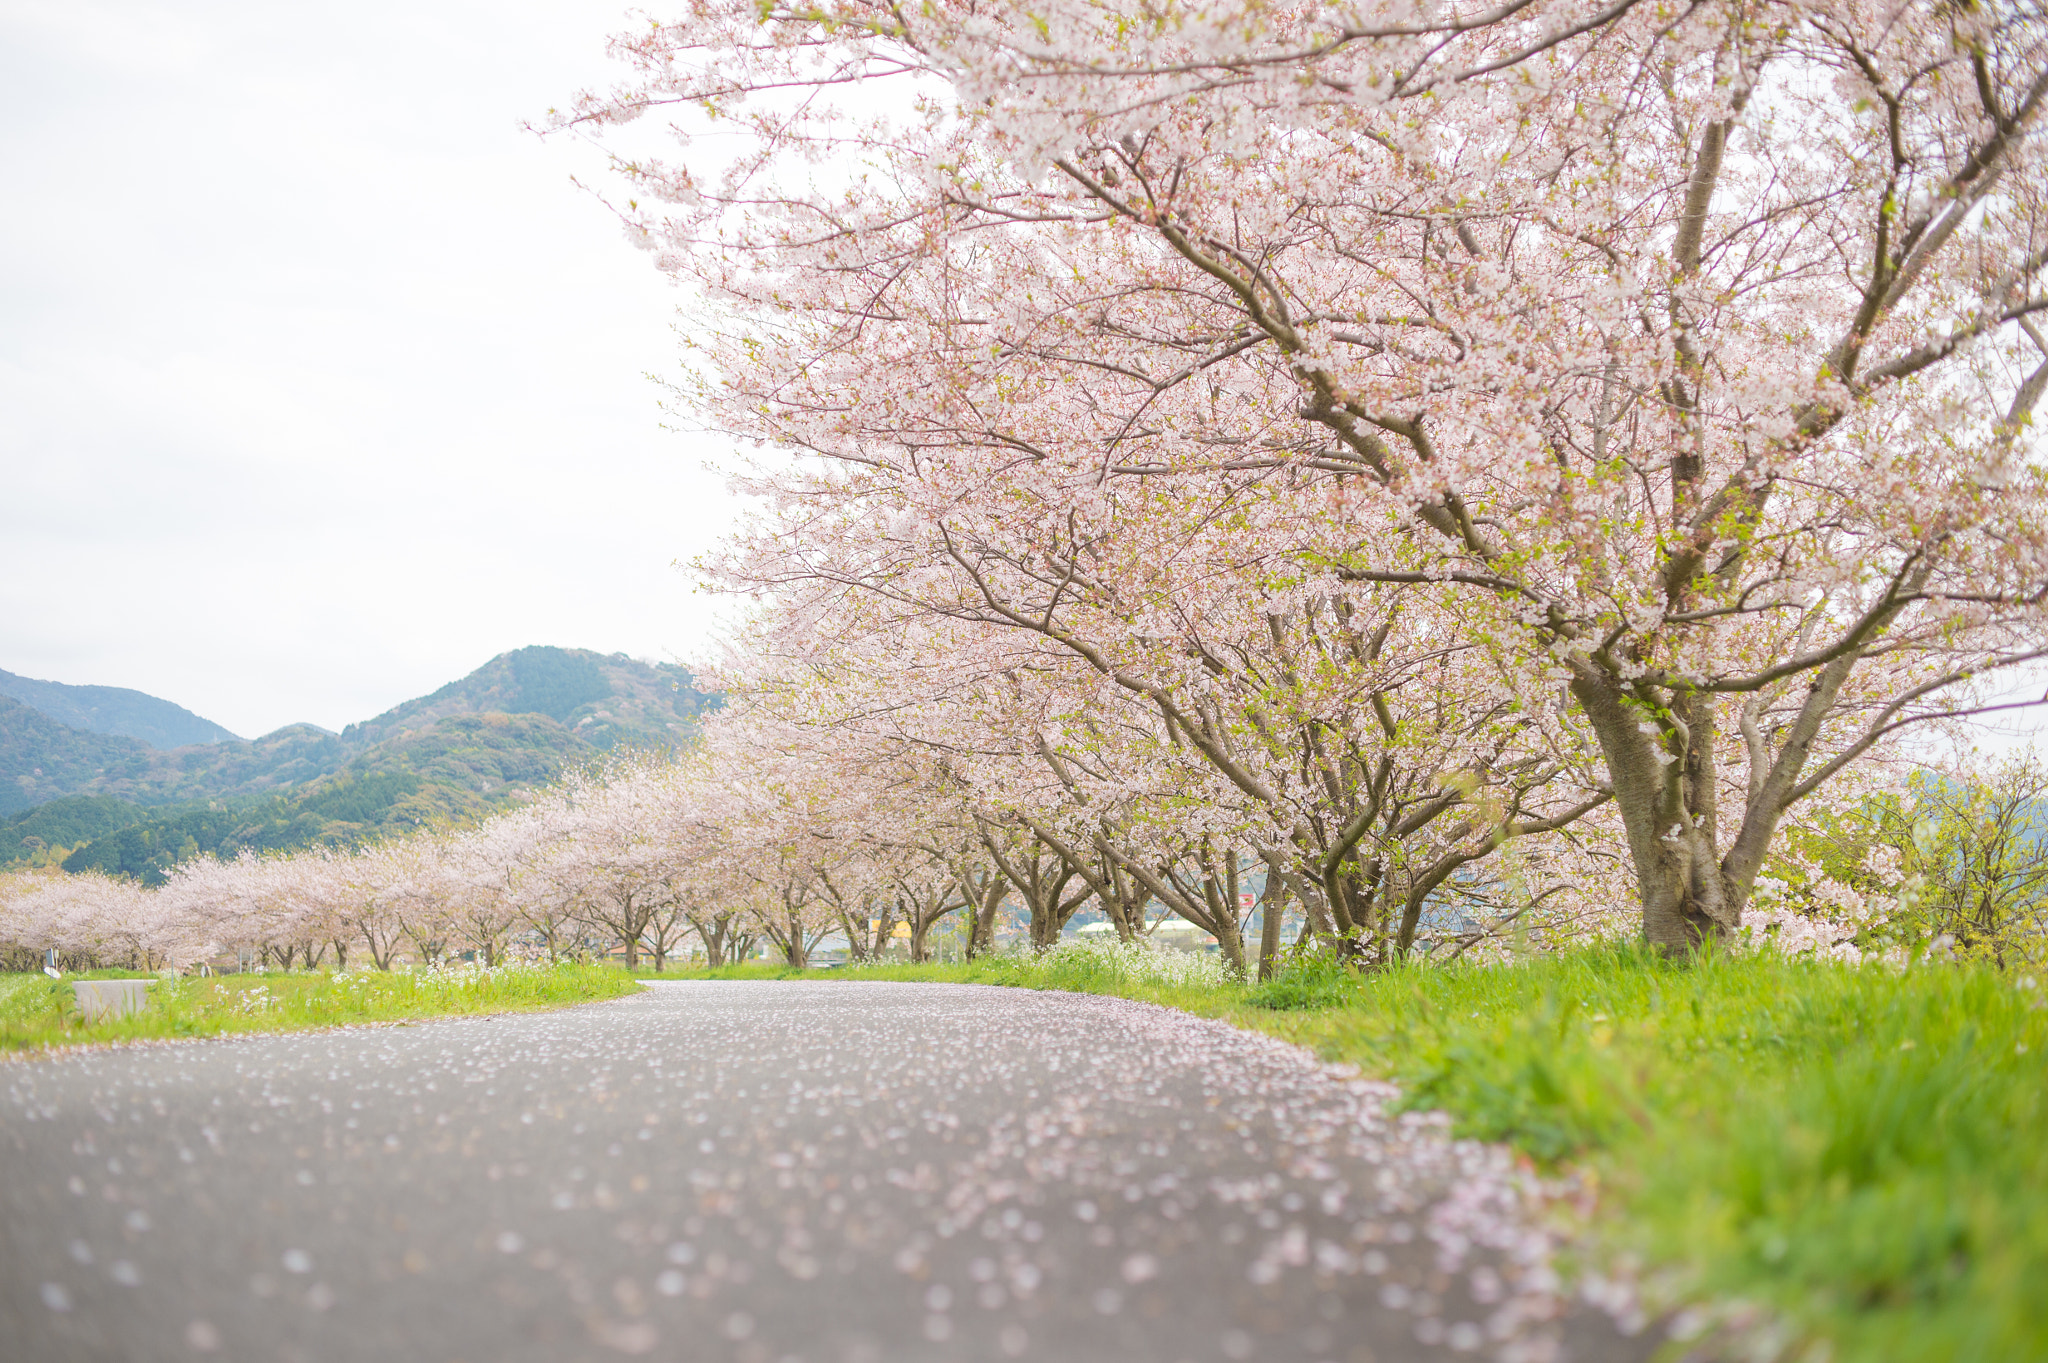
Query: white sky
320,383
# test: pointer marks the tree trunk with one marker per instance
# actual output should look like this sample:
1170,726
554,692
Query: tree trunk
1126,904
1271,918
714,938
856,937
1667,803
984,936
793,948
1232,942
1045,932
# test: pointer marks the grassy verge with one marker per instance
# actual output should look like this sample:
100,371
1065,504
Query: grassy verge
739,970
1863,1151
38,1012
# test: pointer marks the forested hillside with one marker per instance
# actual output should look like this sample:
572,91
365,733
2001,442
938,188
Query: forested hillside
47,832
472,747
43,759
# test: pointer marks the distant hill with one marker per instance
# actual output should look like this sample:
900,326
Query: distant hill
453,770
62,824
114,710
605,699
43,759
476,745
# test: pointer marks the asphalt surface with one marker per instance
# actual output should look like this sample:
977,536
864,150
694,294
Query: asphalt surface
759,1172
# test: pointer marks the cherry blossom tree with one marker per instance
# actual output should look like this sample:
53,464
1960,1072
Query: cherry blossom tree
369,892
543,885
783,825
725,933
484,870
92,920
926,893
24,941
615,847
1690,353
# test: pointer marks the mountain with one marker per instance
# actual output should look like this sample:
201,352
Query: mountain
114,710
606,700
476,745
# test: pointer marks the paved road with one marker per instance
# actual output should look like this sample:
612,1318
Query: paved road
756,1172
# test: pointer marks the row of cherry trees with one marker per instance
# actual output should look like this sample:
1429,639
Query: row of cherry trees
617,854
807,811
770,831
1520,454
756,837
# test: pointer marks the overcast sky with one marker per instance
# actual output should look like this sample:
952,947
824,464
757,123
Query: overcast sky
320,383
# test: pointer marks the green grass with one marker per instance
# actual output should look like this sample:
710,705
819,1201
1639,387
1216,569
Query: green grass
739,970
1865,1151
37,1012
1862,1150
